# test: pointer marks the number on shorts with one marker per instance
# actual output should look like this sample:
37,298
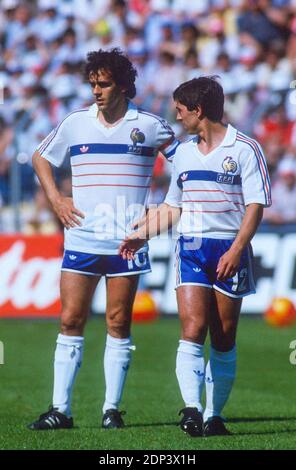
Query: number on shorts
240,280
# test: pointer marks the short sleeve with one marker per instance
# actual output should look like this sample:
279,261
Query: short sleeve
174,194
255,177
165,139
55,147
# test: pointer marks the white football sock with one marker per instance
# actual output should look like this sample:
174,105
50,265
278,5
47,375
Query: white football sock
220,375
116,363
190,370
67,361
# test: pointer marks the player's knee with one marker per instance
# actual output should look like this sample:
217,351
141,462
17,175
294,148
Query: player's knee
118,323
71,324
224,341
195,332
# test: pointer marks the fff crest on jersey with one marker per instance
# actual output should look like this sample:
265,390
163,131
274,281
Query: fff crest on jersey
229,165
137,136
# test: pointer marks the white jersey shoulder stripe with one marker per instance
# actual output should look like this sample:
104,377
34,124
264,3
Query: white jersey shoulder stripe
261,164
52,135
157,118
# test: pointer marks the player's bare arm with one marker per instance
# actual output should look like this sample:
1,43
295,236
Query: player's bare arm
229,262
156,221
62,206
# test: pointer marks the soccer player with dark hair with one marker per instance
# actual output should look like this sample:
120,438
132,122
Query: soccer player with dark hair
112,147
220,186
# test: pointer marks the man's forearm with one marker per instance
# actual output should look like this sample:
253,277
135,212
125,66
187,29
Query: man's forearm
62,206
158,221
44,172
250,223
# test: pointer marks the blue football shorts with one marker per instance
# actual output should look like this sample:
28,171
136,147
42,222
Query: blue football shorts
105,265
196,264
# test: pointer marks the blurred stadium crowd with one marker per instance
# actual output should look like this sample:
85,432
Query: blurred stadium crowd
250,44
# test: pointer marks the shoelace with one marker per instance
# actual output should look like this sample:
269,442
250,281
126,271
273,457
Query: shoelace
50,411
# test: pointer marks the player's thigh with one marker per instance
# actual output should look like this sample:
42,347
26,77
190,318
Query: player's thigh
193,305
76,294
223,321
121,291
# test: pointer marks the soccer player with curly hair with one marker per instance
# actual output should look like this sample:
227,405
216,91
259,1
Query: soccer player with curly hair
112,147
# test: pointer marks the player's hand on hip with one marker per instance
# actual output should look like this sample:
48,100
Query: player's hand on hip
66,212
130,246
228,265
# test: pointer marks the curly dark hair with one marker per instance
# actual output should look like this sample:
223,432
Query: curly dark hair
114,61
205,92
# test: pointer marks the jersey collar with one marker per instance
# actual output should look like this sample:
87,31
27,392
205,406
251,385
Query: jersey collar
230,137
228,141
131,112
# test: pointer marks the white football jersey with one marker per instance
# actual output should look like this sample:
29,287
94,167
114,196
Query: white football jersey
111,172
213,190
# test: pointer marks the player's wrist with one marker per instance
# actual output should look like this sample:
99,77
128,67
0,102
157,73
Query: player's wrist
237,248
142,233
54,197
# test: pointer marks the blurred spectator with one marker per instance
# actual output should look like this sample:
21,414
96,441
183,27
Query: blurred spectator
188,39
283,209
275,127
39,217
262,22
70,50
168,76
213,41
169,41
6,136
275,73
192,67
18,25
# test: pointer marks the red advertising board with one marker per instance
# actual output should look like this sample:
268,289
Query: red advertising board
30,275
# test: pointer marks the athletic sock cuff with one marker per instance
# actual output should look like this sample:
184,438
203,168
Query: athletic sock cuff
223,356
118,343
70,340
191,348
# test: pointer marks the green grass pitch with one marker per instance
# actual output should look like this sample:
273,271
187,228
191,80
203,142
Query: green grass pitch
261,411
